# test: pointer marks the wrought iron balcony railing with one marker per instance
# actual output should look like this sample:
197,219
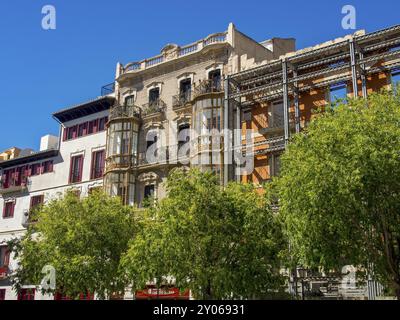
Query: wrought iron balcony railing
124,111
207,86
181,99
153,107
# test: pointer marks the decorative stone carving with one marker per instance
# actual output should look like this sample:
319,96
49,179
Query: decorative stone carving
148,176
170,51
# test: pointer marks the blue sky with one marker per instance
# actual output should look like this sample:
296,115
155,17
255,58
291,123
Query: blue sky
44,71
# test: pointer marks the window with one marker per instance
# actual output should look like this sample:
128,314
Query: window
102,123
215,79
2,294
82,129
26,294
93,126
4,256
129,101
337,92
98,161
183,134
75,174
275,115
149,191
154,95
185,90
153,139
47,166
72,132
36,201
8,210
34,169
85,128
247,115
395,80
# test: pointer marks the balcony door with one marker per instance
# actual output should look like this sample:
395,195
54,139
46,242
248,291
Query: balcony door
185,90
215,79
154,95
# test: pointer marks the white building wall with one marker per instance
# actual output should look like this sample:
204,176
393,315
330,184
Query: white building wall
51,185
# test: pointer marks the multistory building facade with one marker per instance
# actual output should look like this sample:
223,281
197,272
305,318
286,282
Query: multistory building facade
127,140
103,142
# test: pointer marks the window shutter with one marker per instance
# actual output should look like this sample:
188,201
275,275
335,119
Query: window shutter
80,167
85,128
12,210
103,161
6,260
93,166
71,169
65,132
95,125
4,179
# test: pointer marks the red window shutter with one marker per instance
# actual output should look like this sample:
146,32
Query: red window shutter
93,166
71,167
85,128
6,260
65,133
12,209
80,168
95,125
74,132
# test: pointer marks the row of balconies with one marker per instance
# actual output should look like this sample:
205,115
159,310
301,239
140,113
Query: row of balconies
158,106
13,185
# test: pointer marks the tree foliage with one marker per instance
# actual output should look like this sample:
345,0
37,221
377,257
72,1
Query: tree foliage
82,239
339,190
218,242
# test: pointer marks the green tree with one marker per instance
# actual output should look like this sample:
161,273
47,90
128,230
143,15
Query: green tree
217,242
339,190
83,239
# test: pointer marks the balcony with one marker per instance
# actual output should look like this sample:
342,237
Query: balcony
120,161
213,40
207,86
170,155
124,111
153,108
13,186
181,100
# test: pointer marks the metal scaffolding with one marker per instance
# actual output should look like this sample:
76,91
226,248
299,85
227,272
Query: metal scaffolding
351,59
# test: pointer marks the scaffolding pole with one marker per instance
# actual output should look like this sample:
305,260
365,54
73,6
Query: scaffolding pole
238,136
353,65
296,102
363,77
285,101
